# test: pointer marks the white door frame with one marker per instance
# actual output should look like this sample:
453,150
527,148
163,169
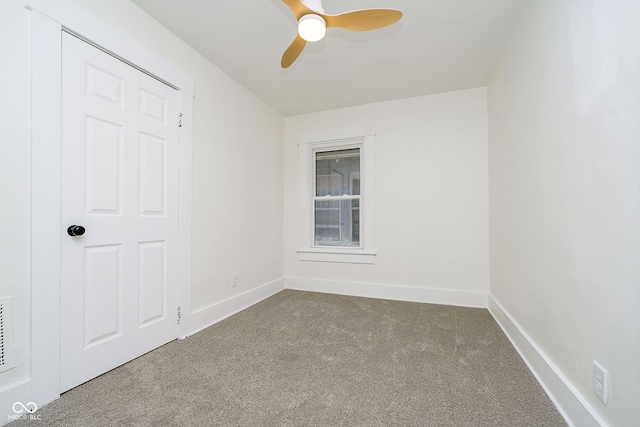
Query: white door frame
47,23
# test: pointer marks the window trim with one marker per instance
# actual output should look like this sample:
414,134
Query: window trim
328,140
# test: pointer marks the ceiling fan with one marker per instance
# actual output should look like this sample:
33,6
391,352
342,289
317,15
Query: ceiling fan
313,22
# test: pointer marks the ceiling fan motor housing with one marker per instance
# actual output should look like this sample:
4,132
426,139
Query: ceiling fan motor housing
315,5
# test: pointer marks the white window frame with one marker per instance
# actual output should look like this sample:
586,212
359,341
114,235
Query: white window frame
309,144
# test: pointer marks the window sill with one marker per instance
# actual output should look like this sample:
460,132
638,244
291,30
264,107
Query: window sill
337,255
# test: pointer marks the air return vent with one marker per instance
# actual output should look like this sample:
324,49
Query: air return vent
6,335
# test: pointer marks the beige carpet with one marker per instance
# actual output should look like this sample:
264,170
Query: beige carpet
309,359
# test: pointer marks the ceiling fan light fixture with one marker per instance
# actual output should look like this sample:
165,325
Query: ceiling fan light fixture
313,23
312,27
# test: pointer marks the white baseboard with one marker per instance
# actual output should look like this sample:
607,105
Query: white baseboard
18,391
390,292
205,317
570,403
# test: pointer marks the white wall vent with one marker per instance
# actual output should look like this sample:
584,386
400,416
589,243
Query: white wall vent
6,335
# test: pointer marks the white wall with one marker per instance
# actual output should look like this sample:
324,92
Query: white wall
237,168
564,188
431,196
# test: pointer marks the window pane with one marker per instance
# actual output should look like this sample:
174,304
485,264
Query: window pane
355,221
337,222
338,172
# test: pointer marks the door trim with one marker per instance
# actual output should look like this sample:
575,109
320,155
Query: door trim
47,24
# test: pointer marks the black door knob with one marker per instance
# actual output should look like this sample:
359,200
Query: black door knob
76,230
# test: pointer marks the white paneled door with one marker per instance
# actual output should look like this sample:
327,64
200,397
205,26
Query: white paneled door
119,280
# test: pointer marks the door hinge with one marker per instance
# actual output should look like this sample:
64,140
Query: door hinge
179,315
179,120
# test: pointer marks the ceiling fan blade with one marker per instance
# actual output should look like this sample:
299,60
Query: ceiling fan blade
363,20
292,52
298,8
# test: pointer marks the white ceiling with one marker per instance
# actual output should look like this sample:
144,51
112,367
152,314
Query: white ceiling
438,46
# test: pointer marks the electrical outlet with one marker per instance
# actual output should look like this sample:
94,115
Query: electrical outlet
600,381
234,280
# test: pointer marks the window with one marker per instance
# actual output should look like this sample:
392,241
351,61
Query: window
336,197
